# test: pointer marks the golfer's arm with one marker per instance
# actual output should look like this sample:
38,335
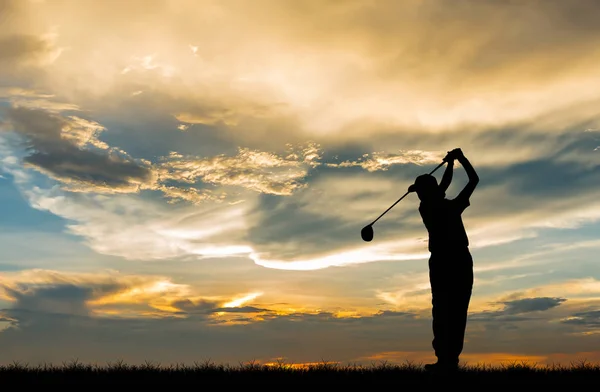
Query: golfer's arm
473,178
447,178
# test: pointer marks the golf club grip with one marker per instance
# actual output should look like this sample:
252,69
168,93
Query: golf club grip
397,201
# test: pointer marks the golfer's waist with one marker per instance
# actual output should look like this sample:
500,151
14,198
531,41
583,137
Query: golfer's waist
446,252
461,245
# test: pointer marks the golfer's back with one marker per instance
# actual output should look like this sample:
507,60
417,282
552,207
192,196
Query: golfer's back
444,223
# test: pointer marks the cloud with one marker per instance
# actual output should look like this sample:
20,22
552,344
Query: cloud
23,49
148,63
255,170
526,305
27,49
590,319
55,145
48,106
67,299
242,105
263,231
583,288
506,208
128,227
19,92
379,68
60,146
332,199
125,312
415,297
191,195
382,160
230,117
337,259
35,292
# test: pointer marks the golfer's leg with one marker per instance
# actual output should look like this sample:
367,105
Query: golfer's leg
439,312
437,341
461,300
459,321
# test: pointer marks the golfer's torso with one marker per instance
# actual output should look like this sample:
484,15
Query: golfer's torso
445,226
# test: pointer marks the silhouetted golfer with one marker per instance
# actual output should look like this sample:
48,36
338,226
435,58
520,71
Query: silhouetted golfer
450,264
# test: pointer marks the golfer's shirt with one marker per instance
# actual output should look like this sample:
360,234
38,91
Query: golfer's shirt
444,223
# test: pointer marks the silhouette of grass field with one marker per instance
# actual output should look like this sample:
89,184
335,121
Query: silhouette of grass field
252,373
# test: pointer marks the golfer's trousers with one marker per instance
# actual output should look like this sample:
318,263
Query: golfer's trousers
451,278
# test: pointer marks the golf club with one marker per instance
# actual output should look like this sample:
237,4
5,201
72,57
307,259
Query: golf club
367,232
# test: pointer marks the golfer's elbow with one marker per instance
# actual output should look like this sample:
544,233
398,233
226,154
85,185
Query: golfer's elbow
473,177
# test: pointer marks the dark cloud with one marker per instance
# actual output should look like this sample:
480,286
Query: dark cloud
61,298
518,310
527,305
31,299
589,319
102,172
206,307
63,160
23,55
20,48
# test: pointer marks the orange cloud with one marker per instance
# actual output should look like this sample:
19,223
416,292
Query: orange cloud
111,293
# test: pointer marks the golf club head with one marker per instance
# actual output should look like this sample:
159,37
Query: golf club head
367,233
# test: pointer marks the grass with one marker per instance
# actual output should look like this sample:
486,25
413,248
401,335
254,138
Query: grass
282,374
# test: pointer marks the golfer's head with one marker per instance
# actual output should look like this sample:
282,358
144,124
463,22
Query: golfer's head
427,188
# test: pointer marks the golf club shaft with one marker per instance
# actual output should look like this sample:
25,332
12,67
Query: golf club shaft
397,201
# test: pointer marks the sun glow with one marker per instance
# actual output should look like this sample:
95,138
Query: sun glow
379,253
242,300
141,294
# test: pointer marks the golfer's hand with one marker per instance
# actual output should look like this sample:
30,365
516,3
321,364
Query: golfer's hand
451,156
455,154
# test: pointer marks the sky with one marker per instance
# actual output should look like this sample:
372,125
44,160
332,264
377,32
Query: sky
186,181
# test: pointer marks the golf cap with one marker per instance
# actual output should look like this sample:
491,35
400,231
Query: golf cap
424,181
